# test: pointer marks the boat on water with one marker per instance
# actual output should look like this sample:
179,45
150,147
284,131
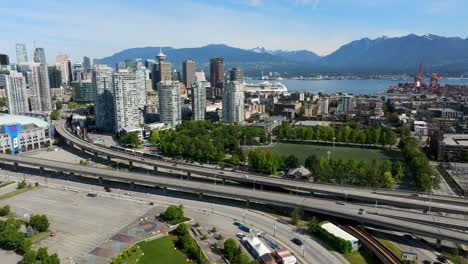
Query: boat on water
265,87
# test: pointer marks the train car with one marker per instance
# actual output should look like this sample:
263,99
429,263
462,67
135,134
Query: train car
130,151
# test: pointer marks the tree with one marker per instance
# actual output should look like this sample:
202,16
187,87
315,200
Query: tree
389,181
154,137
54,115
5,210
230,247
181,230
58,105
72,105
3,102
53,259
39,222
29,257
173,213
130,139
313,225
292,162
42,254
296,216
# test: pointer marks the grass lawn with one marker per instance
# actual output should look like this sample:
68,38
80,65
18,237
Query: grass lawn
160,251
390,246
3,184
39,236
16,192
301,151
363,256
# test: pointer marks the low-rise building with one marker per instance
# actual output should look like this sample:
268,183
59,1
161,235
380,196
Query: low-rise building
22,133
338,232
449,147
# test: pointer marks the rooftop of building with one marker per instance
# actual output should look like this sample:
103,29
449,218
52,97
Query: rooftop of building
7,119
456,140
312,123
336,231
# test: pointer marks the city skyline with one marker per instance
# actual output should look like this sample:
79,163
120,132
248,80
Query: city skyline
302,24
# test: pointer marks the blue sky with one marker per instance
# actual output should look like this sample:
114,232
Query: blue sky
100,28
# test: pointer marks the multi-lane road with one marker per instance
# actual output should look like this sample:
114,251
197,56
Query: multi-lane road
448,204
328,207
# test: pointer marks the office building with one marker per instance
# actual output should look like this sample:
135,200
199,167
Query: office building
103,98
153,67
129,99
4,59
83,91
39,56
14,84
165,68
233,103
449,147
65,65
188,70
198,97
169,103
55,76
217,75
22,133
44,85
87,63
323,104
236,74
346,105
40,95
21,54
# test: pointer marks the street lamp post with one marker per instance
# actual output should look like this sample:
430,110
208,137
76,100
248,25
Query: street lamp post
334,144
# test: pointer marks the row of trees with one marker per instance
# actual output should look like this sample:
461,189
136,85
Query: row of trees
233,253
188,245
269,162
418,163
353,172
207,142
344,134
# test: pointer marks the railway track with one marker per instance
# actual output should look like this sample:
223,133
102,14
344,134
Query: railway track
385,255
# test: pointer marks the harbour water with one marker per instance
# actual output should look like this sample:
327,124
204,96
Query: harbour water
356,87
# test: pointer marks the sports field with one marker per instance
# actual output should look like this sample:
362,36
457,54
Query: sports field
160,251
301,151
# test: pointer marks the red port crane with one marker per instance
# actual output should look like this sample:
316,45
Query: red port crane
418,79
434,82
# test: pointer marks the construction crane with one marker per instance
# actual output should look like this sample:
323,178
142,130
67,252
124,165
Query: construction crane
434,82
418,79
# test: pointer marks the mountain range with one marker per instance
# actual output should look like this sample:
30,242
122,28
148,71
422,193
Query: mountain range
446,55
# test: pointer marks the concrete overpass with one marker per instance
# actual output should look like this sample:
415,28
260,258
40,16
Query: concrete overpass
400,199
312,204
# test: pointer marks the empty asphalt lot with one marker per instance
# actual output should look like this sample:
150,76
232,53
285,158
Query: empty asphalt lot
80,222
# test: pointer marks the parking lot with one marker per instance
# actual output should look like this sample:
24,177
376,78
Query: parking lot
81,223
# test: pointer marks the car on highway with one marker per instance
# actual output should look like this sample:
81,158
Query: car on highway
240,235
360,211
129,193
341,203
296,241
221,172
107,189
